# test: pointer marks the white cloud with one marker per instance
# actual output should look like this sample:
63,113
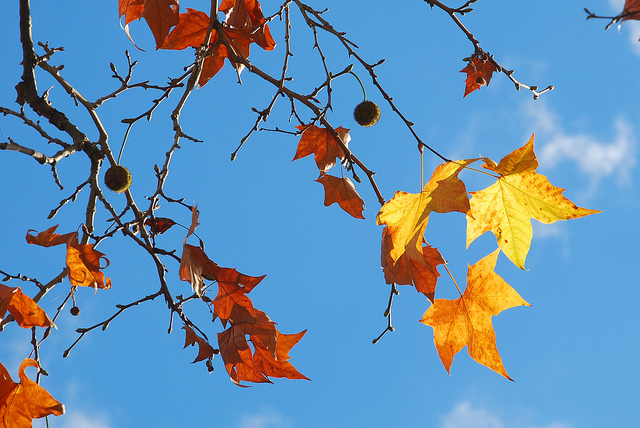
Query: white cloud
73,419
265,419
596,159
465,415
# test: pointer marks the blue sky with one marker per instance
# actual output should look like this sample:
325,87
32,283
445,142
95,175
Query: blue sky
573,354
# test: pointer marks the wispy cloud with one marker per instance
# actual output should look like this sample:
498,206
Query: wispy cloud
266,419
73,419
466,415
595,158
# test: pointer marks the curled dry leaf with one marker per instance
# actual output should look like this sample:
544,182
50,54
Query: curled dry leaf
83,261
24,310
22,402
205,351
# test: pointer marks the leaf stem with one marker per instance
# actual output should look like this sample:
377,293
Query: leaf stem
452,278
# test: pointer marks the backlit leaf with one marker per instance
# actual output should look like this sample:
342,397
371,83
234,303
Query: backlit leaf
343,192
518,195
466,321
322,144
479,71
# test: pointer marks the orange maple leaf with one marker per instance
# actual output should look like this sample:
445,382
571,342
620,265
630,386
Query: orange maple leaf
22,402
191,32
271,354
466,321
24,310
322,144
160,15
205,351
406,214
342,191
423,274
519,194
232,293
244,24
83,261
479,71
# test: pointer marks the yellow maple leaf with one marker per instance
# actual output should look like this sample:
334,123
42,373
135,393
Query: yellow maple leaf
466,321
518,195
406,214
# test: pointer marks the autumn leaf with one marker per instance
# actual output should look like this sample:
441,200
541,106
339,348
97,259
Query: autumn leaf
194,263
321,143
191,32
466,321
159,225
278,365
233,288
160,15
246,16
269,358
631,10
518,195
244,24
205,351
342,191
406,214
22,402
24,310
83,261
84,267
49,238
479,71
423,274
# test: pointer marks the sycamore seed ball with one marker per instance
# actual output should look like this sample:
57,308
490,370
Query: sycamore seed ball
117,178
367,113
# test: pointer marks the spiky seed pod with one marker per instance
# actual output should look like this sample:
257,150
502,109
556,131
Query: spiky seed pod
117,178
367,113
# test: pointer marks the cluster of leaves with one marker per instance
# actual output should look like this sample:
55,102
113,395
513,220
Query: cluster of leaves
251,347
244,24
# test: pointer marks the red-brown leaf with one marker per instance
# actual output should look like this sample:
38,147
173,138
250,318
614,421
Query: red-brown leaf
270,356
204,349
246,16
159,225
479,71
422,273
631,10
321,143
343,192
190,31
